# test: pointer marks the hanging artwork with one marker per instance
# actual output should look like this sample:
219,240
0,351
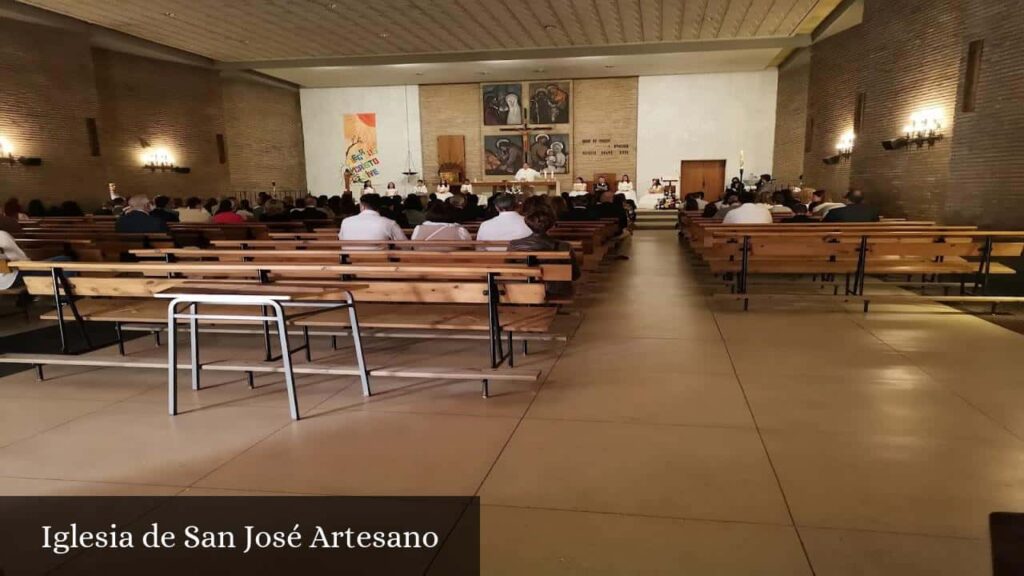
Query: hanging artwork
503,154
502,104
548,102
549,152
361,159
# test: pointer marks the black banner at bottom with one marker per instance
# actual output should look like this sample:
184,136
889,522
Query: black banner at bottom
239,535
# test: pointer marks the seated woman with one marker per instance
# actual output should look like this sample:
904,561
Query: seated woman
226,214
540,218
579,187
625,187
440,224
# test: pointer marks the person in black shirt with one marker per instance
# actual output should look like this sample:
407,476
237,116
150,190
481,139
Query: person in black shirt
800,215
161,211
854,211
136,218
601,186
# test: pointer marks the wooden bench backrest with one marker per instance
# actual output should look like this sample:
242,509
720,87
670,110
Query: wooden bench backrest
384,283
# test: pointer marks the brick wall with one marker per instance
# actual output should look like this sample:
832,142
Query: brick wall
452,110
605,108
908,56
46,82
172,106
264,131
791,117
986,164
911,54
834,81
53,80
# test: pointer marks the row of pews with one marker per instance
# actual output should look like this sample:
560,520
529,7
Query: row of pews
307,283
760,261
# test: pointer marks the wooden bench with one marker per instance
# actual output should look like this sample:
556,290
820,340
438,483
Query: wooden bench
497,299
867,250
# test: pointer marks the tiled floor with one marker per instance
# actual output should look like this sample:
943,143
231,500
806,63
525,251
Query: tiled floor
669,436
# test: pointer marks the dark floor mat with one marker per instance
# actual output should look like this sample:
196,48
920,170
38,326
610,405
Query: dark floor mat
47,341
1007,531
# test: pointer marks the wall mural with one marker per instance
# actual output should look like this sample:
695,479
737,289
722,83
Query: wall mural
503,104
503,154
549,102
519,120
549,152
361,160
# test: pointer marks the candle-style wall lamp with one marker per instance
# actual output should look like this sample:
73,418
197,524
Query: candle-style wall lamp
844,149
7,155
925,127
160,159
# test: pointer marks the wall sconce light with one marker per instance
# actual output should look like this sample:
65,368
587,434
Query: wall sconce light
844,149
925,128
7,155
161,160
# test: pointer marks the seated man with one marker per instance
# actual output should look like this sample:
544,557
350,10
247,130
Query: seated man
579,210
749,211
854,211
507,225
369,224
731,201
136,218
800,217
441,224
607,208
161,210
540,219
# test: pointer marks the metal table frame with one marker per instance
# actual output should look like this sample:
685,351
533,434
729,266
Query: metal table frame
275,303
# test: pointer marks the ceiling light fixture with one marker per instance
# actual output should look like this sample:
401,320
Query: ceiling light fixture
550,28
383,35
609,66
169,14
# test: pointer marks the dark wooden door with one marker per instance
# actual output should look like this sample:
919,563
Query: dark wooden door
702,175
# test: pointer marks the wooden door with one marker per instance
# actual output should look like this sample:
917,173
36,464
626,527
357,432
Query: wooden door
702,175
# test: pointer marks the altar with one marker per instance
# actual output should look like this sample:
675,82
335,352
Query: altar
536,187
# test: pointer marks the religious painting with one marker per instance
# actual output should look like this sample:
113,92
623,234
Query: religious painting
361,160
503,104
549,152
503,154
549,102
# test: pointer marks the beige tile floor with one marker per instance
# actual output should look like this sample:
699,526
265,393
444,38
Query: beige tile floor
669,436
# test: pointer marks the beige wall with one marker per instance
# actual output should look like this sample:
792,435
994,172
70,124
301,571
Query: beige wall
451,110
603,108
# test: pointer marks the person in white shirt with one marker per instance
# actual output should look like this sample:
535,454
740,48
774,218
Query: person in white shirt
369,224
391,190
526,173
9,251
656,188
748,212
368,188
625,185
421,188
579,187
112,189
467,187
442,191
193,212
507,225
440,224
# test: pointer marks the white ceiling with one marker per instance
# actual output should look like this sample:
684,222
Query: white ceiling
320,43
534,69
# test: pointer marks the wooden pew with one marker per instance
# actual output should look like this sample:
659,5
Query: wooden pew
867,250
